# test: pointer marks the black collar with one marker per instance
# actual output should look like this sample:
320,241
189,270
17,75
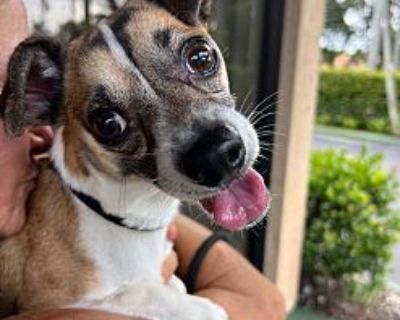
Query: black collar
96,206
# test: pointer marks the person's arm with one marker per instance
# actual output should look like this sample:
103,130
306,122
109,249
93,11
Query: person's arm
227,278
72,315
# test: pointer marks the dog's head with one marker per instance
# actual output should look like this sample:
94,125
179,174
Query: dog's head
144,94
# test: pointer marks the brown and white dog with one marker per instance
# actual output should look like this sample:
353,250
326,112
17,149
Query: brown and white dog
143,118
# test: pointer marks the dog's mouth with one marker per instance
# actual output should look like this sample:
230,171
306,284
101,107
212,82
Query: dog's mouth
211,167
242,205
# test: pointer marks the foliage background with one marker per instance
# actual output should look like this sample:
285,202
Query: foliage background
354,99
351,226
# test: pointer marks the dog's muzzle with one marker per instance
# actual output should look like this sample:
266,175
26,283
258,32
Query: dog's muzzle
215,158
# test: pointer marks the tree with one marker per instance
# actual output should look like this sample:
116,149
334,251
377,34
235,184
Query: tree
382,42
391,94
341,32
375,48
380,19
336,11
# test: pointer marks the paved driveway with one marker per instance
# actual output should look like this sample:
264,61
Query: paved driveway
390,148
325,138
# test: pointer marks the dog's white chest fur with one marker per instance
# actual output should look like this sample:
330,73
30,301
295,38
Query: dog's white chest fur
122,257
128,263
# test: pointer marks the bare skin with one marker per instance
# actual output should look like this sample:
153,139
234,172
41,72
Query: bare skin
16,183
227,278
234,284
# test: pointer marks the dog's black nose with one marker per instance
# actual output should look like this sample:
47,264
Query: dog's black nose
215,158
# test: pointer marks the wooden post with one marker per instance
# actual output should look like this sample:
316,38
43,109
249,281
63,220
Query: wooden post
295,120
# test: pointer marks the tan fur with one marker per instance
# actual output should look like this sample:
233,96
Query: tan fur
43,267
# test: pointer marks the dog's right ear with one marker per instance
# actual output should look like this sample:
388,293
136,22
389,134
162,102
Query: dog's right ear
189,11
33,90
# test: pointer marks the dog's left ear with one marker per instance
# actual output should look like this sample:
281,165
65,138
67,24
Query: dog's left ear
190,11
33,89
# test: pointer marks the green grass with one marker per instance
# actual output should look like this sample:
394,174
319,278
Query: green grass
305,314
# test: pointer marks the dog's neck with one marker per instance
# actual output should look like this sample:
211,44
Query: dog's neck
137,202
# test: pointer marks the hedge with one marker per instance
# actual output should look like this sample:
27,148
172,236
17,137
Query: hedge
354,99
351,224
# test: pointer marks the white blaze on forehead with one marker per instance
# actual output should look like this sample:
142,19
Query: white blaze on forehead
122,58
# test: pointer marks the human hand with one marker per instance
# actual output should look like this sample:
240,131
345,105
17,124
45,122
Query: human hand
171,263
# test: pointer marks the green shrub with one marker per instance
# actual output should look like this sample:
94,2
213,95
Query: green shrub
354,99
351,226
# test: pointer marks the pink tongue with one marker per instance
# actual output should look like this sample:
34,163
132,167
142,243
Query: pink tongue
245,202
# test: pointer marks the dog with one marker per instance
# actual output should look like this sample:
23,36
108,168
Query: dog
143,119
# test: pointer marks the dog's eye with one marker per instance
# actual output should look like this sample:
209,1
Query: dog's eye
107,124
200,57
